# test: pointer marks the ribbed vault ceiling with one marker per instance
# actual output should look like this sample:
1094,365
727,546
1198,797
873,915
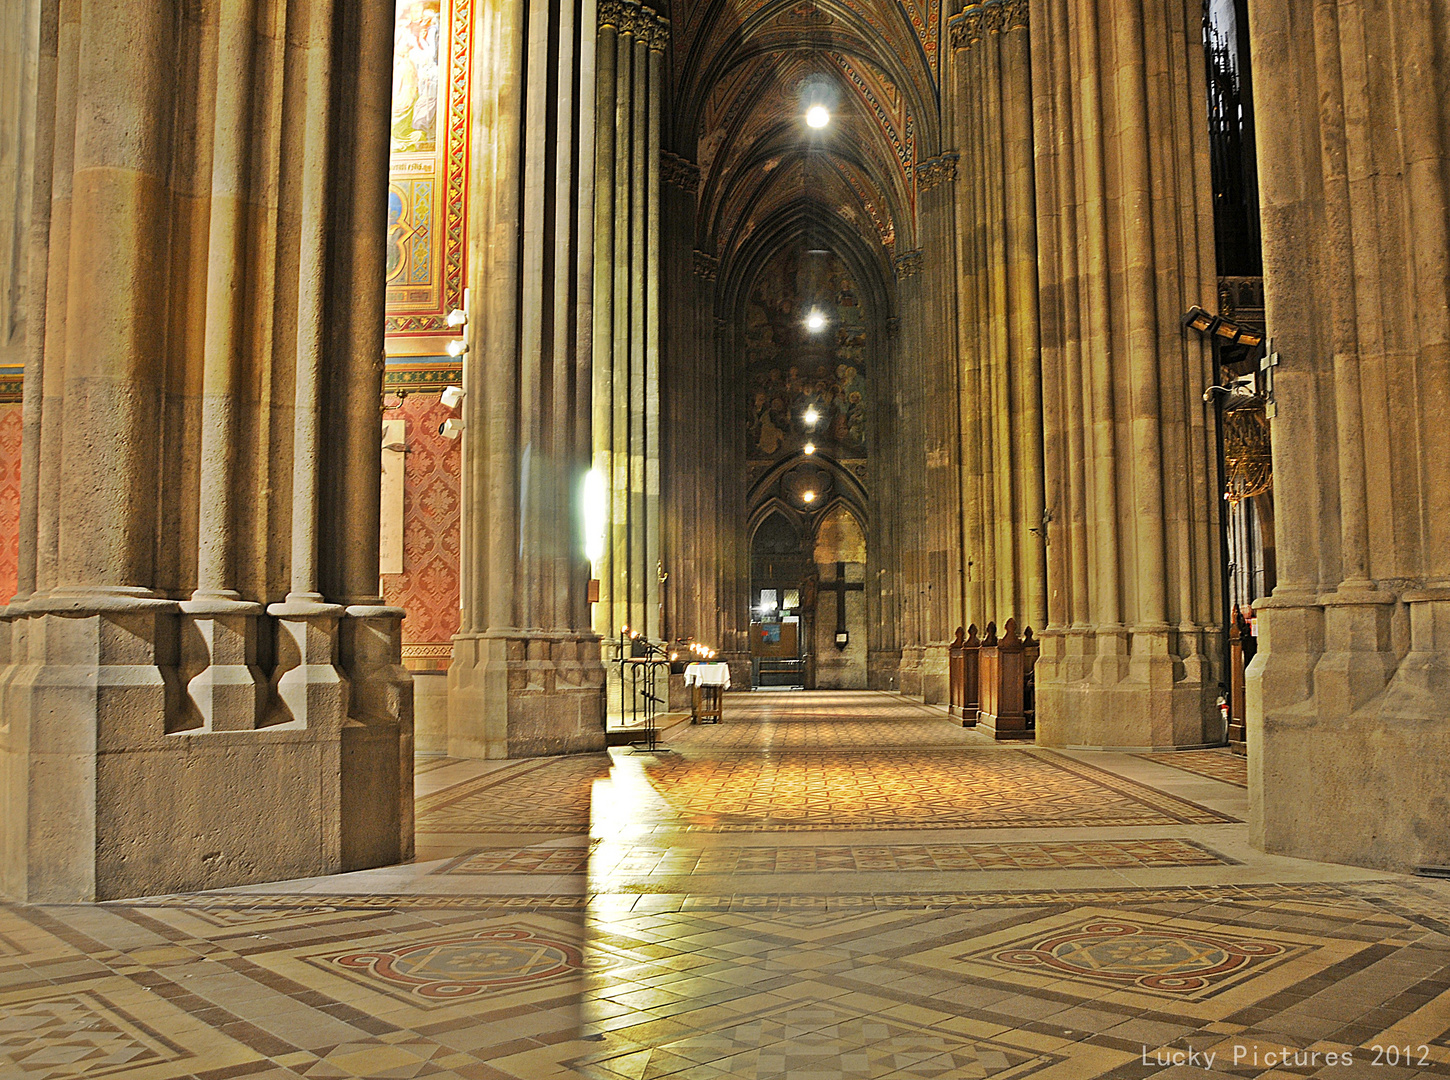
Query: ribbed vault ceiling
744,72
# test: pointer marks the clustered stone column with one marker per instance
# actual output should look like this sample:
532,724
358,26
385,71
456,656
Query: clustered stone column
989,96
887,591
1347,723
692,492
921,557
1125,247
526,676
201,686
626,224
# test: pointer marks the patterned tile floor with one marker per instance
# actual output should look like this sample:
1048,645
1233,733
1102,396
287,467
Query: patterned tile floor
954,911
1222,765
1063,855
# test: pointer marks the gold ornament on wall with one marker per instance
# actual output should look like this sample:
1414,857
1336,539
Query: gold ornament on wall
1248,458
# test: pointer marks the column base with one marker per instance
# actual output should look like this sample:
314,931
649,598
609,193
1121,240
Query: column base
1338,772
883,670
108,790
1139,689
525,694
936,674
909,676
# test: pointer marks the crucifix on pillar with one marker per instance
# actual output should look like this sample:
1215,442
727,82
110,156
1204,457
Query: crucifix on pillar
841,588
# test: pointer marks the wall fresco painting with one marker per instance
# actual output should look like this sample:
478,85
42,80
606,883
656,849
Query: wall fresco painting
792,368
426,191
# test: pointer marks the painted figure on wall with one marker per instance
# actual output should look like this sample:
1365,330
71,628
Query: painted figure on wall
805,353
416,61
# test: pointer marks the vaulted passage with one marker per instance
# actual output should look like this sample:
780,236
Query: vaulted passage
723,538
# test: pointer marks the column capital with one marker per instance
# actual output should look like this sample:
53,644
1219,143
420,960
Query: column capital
655,30
937,170
907,264
645,24
616,14
993,17
679,172
707,266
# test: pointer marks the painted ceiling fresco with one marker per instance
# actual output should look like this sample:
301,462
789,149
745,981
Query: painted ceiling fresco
743,71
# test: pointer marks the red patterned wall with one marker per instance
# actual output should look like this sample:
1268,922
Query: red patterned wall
428,586
9,498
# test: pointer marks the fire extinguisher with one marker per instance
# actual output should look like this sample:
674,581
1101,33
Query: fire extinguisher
1223,712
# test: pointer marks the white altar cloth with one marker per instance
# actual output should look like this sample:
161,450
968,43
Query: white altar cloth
716,674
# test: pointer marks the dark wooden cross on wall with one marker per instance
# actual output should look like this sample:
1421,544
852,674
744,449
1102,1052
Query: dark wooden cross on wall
841,588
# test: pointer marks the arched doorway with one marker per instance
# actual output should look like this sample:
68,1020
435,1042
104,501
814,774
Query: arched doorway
780,566
838,617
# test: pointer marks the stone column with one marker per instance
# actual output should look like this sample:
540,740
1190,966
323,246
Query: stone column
618,432
1124,216
1347,723
19,61
688,509
907,556
658,38
886,580
526,676
219,657
606,620
627,332
174,478
936,207
989,98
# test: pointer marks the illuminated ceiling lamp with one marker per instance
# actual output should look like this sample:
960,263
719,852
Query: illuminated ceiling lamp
818,116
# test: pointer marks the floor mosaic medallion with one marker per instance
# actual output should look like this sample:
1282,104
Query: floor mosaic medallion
1150,958
463,965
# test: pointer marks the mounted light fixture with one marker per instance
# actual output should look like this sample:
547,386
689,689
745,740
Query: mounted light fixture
815,321
809,448
451,428
457,317
812,418
451,396
457,347
818,116
809,496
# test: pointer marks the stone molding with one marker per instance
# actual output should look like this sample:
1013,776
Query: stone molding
938,170
993,17
679,172
707,266
907,264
